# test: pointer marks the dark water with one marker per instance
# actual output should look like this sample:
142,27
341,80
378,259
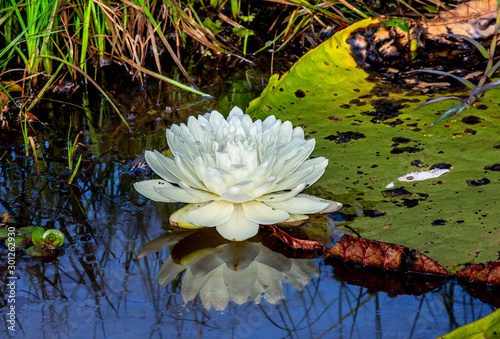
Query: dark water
100,288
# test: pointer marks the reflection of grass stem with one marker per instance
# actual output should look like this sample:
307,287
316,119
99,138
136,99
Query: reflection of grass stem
24,130
75,170
347,315
33,146
72,147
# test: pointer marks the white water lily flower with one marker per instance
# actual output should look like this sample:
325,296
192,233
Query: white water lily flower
236,174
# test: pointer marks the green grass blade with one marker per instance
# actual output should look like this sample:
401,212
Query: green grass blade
85,36
166,79
483,88
164,40
455,109
493,69
463,81
476,44
438,100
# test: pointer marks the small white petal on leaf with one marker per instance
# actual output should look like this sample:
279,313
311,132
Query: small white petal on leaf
424,175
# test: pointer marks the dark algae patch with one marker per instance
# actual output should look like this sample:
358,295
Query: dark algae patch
399,150
300,94
478,182
344,137
495,167
471,120
438,222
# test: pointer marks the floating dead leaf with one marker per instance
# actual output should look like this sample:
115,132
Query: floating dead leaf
386,256
280,241
488,273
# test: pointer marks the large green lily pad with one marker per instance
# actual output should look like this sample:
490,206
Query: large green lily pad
484,328
371,136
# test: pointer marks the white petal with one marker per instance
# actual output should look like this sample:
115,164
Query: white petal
298,133
263,214
237,112
179,194
309,172
169,165
180,217
292,156
202,195
285,133
269,122
214,214
235,195
154,160
282,196
188,173
214,181
238,228
268,186
333,206
294,220
147,189
200,166
299,205
237,174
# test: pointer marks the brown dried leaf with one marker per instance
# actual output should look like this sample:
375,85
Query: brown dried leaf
423,264
279,241
489,273
386,256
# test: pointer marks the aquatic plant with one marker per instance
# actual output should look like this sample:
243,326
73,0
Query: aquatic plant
45,242
236,174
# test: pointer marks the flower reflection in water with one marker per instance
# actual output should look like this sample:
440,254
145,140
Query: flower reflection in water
221,271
